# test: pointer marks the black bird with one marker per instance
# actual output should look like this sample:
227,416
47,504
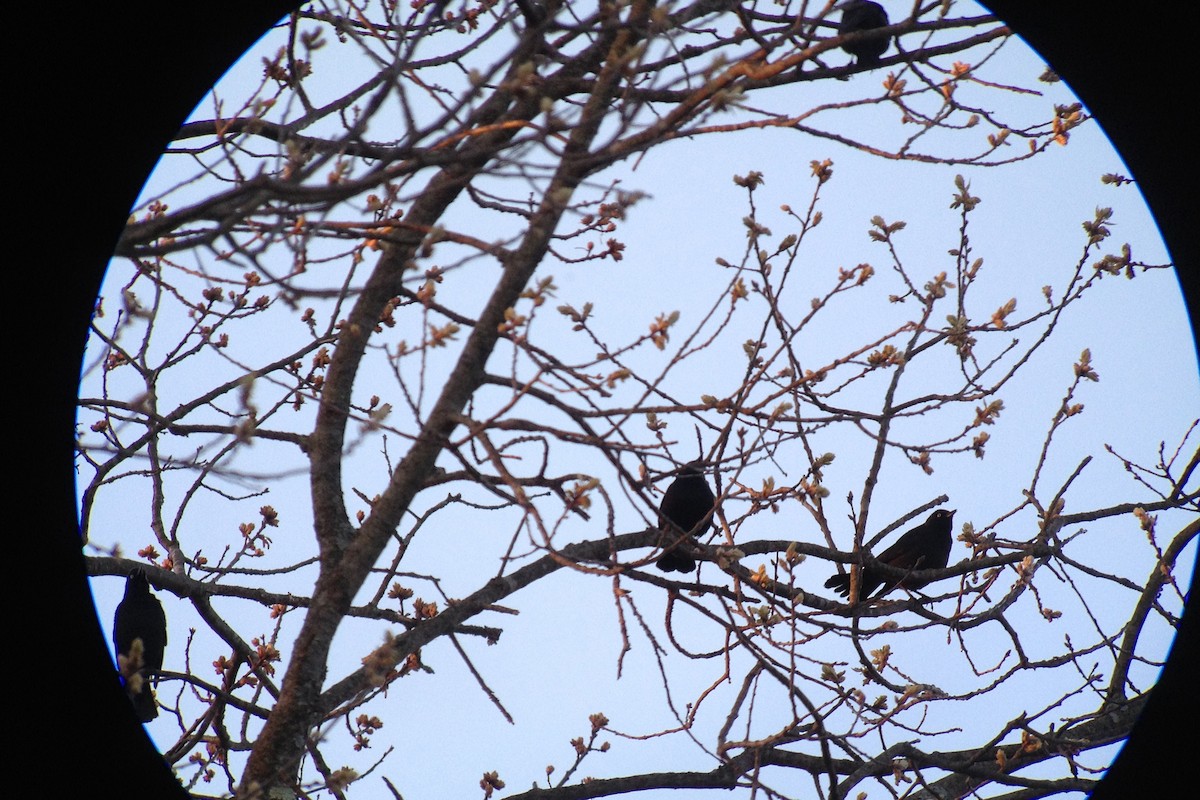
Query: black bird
926,546
863,15
687,501
140,617
533,11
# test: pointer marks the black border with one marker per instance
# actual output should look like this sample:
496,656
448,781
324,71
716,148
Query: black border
100,92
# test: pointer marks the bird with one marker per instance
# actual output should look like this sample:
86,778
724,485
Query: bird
863,15
534,12
140,618
685,504
926,546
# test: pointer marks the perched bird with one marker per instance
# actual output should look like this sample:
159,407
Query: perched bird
140,618
863,15
687,501
534,12
926,546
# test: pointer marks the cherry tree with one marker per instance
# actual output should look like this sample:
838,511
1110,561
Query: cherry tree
398,352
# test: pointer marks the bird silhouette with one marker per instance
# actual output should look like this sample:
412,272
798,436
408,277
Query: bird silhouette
863,15
140,618
926,546
685,504
534,12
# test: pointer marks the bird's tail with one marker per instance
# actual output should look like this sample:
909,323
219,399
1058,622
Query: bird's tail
674,561
136,684
144,704
840,583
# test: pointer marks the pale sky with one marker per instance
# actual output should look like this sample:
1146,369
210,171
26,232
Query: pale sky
1027,229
